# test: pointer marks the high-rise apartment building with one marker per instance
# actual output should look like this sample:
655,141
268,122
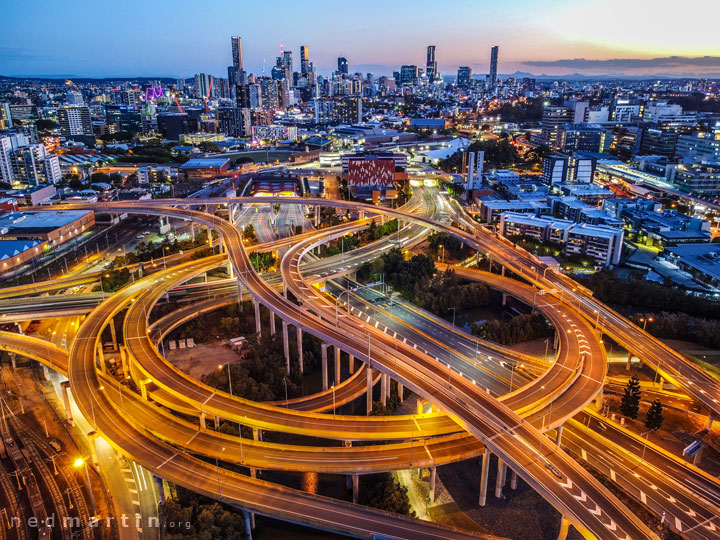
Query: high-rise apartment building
74,121
237,62
342,65
5,116
493,66
234,121
25,163
552,122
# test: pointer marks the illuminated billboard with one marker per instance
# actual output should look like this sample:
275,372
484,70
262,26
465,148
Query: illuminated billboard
371,173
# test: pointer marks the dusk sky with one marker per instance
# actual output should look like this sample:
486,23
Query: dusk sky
180,38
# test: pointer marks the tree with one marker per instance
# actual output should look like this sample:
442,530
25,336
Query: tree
631,398
45,125
654,417
208,146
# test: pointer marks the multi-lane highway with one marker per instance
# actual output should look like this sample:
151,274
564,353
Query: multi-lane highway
591,508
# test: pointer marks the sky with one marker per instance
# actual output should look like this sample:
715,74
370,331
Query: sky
180,38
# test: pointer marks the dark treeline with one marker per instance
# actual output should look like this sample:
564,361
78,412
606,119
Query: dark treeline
516,330
640,293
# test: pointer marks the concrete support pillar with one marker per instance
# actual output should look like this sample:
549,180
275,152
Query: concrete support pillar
502,271
160,488
300,348
564,528
46,372
383,390
192,230
286,346
337,365
558,436
65,386
661,384
711,419
203,422
351,364
500,478
143,388
401,392
92,440
231,270
513,479
484,476
272,323
323,349
13,359
248,529
627,366
257,434
355,487
113,334
433,480
210,237
369,390
258,327
640,363
101,357
419,406
240,294
504,299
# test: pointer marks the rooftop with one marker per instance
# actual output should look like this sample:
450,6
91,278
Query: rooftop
30,222
10,248
205,163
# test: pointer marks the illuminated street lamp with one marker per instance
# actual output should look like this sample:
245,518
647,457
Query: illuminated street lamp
79,462
645,321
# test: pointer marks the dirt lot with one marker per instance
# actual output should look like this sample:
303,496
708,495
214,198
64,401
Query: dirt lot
201,359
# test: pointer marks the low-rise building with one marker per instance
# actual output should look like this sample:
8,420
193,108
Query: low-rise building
599,242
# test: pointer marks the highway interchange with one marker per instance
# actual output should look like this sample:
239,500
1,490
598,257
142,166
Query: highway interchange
460,381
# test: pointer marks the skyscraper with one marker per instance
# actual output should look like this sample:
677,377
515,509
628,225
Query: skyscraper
342,65
287,62
431,65
304,59
493,66
236,44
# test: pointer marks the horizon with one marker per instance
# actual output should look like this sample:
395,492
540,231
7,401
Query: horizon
172,44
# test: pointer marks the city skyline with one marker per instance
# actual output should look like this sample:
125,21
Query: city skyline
554,39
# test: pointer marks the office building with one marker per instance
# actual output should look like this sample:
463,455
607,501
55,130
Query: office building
581,169
287,63
580,138
464,75
172,125
493,66
74,121
431,69
656,142
700,147
408,75
342,66
304,60
124,118
73,97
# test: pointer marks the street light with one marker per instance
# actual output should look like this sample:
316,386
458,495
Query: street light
79,462
645,321
442,259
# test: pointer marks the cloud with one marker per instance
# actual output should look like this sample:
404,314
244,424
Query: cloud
673,63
